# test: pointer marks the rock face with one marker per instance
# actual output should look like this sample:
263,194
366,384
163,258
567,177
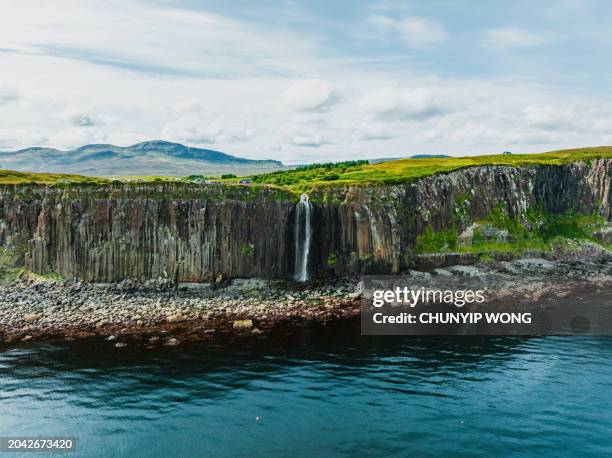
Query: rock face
180,232
374,229
192,233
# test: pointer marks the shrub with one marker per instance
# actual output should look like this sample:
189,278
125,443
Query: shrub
247,249
332,259
433,242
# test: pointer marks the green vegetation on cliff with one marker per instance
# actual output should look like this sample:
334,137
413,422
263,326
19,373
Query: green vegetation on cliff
407,170
498,233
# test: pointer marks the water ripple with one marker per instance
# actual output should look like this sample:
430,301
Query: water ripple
334,393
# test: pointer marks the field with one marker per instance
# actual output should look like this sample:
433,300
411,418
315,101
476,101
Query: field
316,176
406,170
12,177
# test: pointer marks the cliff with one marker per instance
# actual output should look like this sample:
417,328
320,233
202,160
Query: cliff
191,233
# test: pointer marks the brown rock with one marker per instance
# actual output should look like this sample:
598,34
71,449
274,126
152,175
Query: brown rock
177,318
31,317
243,324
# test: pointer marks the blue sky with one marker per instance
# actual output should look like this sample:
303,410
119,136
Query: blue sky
307,80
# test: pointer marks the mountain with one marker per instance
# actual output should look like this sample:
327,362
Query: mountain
147,158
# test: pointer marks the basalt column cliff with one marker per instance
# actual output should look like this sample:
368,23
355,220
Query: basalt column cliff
194,233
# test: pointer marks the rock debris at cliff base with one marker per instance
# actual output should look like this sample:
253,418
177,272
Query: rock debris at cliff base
156,312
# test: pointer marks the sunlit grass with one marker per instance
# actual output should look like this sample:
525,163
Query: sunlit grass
12,177
333,175
407,170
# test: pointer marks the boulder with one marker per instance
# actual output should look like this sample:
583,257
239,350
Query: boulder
243,324
176,318
31,317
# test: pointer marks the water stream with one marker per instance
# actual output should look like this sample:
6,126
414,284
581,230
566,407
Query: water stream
302,236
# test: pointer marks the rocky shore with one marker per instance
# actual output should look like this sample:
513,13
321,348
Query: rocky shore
160,313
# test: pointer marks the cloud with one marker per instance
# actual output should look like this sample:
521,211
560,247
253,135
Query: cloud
373,130
548,117
193,129
304,87
513,38
389,6
400,104
150,37
587,119
421,31
412,30
313,140
8,95
308,129
310,95
73,137
83,121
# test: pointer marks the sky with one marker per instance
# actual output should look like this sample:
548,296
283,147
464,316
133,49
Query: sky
306,81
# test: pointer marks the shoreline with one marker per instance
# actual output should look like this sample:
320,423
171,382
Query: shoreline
160,313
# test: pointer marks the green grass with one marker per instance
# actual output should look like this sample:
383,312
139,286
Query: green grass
12,177
534,231
407,170
323,176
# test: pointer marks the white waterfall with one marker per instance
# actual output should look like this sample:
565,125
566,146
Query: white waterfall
303,232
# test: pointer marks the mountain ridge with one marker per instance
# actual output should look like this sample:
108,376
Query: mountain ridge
154,157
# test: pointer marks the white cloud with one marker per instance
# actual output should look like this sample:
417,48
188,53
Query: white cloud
80,118
150,38
374,130
412,30
569,118
389,6
513,38
208,79
400,104
313,140
192,129
83,121
421,31
72,136
308,129
548,117
8,95
310,95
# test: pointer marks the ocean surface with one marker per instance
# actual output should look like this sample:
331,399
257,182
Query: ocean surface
316,391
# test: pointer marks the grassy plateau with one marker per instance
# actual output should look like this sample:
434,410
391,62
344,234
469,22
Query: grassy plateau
12,177
316,176
407,170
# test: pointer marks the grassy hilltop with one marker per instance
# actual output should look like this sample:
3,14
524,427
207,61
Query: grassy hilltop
344,173
406,170
12,177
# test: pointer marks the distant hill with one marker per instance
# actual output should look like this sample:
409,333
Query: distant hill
428,156
416,156
147,158
382,159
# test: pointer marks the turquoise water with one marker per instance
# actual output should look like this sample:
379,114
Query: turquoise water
318,391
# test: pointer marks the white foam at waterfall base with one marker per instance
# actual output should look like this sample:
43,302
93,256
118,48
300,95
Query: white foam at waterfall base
302,236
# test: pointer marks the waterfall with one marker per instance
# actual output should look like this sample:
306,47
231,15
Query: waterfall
303,232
